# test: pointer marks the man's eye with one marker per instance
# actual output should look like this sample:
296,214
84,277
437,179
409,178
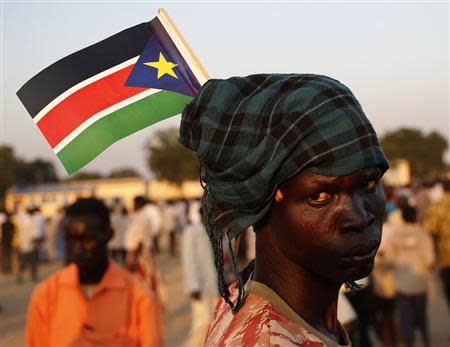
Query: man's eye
319,198
369,186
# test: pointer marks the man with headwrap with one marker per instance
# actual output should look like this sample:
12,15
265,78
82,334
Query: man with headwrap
294,156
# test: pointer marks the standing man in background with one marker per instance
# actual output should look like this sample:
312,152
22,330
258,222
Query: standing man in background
437,221
168,213
200,279
27,239
7,228
56,238
153,214
181,217
412,257
384,287
138,243
119,222
92,301
40,244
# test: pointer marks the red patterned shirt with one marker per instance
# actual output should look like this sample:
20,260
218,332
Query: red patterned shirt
264,320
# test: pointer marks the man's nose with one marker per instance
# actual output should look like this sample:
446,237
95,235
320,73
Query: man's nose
355,215
77,247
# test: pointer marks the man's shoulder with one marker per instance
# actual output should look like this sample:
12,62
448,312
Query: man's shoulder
52,283
121,274
249,326
134,285
258,322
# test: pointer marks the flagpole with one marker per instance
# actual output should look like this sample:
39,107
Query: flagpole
185,50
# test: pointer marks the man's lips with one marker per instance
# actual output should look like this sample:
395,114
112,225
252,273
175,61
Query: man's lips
361,253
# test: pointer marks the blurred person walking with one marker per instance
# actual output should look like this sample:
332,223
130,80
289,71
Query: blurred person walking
412,257
92,301
384,288
153,213
28,235
200,278
194,215
120,222
168,213
40,244
437,221
421,198
7,228
396,200
437,192
55,236
181,219
140,259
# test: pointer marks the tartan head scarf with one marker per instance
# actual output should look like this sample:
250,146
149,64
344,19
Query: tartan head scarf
253,133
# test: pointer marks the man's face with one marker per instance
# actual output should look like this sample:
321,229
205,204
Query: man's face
330,225
86,240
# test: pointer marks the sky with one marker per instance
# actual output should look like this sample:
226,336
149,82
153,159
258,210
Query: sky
394,56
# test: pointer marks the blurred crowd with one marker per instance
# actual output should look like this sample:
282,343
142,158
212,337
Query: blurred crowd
415,245
28,238
392,302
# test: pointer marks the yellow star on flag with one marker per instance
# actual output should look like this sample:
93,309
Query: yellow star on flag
163,66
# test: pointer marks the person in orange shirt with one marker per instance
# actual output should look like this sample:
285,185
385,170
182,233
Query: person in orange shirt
92,301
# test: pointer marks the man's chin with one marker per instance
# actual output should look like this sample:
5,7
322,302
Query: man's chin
360,272
90,276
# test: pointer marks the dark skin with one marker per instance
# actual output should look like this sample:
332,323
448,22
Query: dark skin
86,243
323,231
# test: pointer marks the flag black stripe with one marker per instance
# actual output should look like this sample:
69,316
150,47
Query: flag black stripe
51,82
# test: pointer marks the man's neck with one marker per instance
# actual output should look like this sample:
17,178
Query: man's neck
89,290
311,297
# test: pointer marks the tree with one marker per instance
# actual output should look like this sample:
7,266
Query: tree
7,170
425,153
37,171
14,170
170,160
124,172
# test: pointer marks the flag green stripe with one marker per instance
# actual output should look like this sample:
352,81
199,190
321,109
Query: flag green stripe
119,124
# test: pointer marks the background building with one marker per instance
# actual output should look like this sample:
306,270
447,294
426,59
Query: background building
114,191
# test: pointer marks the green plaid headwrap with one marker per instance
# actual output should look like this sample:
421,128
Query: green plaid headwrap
253,133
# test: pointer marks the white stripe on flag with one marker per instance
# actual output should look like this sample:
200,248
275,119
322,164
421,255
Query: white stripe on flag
86,124
81,85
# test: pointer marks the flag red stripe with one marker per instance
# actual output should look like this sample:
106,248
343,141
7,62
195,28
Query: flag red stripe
84,103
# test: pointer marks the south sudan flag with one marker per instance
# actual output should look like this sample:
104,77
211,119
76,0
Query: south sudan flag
92,98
